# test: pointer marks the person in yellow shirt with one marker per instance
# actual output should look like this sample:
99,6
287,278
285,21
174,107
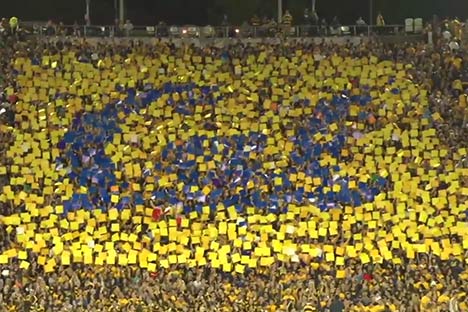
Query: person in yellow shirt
286,23
456,28
13,25
380,21
457,62
287,18
309,308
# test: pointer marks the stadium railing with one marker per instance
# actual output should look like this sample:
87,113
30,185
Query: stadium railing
212,31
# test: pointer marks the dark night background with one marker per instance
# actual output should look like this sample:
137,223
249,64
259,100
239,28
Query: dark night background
203,12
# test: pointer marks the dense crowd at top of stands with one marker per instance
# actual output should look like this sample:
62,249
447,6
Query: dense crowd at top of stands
268,177
309,25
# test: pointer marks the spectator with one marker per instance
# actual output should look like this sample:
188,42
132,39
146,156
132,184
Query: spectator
255,21
287,18
14,25
361,26
337,305
307,23
286,24
445,25
360,22
453,305
225,21
324,27
76,29
453,45
245,30
269,27
315,23
263,30
60,29
314,18
162,30
436,28
117,28
429,34
455,28
4,24
128,28
306,18
4,28
380,23
50,28
87,20
446,35
335,26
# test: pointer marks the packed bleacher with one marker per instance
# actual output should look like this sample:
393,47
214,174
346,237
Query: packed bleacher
250,177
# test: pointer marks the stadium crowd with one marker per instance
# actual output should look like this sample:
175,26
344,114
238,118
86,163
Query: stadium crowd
269,177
